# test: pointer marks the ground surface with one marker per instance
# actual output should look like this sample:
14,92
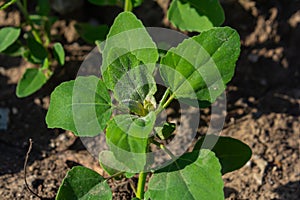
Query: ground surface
263,107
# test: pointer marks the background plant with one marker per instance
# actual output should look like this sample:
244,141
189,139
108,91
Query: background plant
196,174
35,45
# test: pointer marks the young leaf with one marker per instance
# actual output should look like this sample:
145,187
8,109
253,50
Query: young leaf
37,51
8,36
90,33
202,65
194,175
59,53
195,15
127,136
129,34
82,106
119,67
7,4
82,183
32,80
232,153
129,80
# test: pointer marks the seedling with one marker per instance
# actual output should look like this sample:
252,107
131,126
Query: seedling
34,45
195,72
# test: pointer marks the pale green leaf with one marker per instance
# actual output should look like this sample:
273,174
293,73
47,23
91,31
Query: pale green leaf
200,67
32,80
129,35
195,15
193,176
59,53
82,183
127,136
82,106
8,36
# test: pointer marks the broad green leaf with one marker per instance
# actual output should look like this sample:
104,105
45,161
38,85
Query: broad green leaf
32,80
90,33
37,51
111,165
165,131
232,153
193,176
59,53
200,67
119,67
8,36
82,183
129,35
7,4
195,15
130,81
127,136
16,49
82,106
43,7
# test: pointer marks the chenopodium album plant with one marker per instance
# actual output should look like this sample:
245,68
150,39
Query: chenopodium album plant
195,73
34,45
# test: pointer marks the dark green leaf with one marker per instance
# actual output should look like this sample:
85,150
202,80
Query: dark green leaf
37,51
7,4
195,15
82,183
43,7
59,53
16,49
232,153
200,67
165,131
8,36
194,175
32,80
91,33
129,35
127,137
82,106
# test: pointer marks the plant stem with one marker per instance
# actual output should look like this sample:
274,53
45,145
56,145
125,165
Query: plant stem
164,101
23,9
128,5
141,185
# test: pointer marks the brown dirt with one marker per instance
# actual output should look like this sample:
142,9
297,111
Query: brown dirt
263,107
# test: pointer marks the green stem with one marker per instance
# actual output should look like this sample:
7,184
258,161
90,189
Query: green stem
26,15
164,101
128,5
141,185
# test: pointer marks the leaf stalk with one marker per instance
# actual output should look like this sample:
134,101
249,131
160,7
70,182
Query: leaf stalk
141,185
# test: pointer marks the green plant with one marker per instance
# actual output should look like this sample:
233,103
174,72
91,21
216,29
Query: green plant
34,45
195,72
